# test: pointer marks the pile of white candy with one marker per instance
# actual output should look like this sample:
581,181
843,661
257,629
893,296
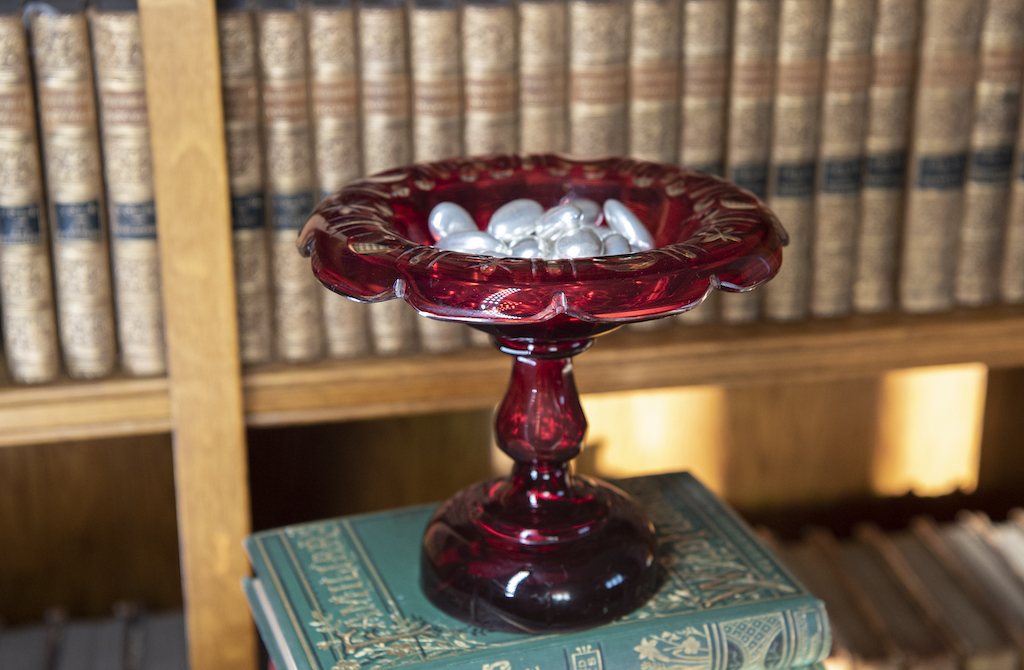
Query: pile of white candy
522,229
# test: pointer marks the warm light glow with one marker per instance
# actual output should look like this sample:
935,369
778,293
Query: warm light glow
929,430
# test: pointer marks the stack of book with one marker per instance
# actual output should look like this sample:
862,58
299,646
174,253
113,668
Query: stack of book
128,641
885,134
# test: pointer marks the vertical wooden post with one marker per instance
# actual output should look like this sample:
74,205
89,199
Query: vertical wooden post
194,226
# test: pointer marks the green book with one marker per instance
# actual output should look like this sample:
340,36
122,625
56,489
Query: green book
344,594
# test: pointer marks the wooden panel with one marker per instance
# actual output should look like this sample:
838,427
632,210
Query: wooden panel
827,349
1002,438
79,410
194,226
86,524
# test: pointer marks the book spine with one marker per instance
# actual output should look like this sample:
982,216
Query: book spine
751,103
240,91
289,170
26,287
1011,281
802,27
543,104
841,158
890,101
387,139
996,113
128,167
336,149
654,72
71,150
489,57
598,74
938,167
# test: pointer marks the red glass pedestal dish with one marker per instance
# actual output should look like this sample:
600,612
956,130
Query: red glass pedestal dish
544,549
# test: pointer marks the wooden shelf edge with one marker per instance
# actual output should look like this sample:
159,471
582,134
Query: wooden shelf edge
75,410
812,350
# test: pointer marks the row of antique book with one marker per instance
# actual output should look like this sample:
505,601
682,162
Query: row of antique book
130,640
884,133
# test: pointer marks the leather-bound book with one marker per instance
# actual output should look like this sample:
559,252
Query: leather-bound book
598,77
654,63
543,59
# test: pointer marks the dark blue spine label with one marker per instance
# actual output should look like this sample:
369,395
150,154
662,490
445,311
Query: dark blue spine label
20,225
942,173
842,177
291,211
992,166
794,180
247,211
135,220
888,171
79,221
707,168
754,178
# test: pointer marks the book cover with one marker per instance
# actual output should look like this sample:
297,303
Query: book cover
88,644
26,285
996,114
1006,538
344,593
802,30
841,155
25,648
74,185
333,74
887,141
164,643
387,138
236,35
489,56
128,167
598,75
298,324
751,104
435,57
704,104
654,64
543,59
943,114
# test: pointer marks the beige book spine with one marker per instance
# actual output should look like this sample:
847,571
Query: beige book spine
996,114
841,158
437,122
237,38
128,167
333,76
654,64
289,178
387,140
543,101
1011,279
598,75
802,29
751,105
943,114
71,149
887,141
489,57
26,287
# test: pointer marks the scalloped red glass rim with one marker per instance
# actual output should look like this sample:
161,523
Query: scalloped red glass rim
371,238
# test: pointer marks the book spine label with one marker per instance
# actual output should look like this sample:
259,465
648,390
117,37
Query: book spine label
751,103
437,122
938,167
71,147
337,157
654,66
996,113
237,39
598,74
794,149
387,141
128,166
297,315
844,107
890,100
26,287
489,70
543,104
705,75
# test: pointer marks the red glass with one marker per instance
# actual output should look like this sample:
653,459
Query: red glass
544,549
